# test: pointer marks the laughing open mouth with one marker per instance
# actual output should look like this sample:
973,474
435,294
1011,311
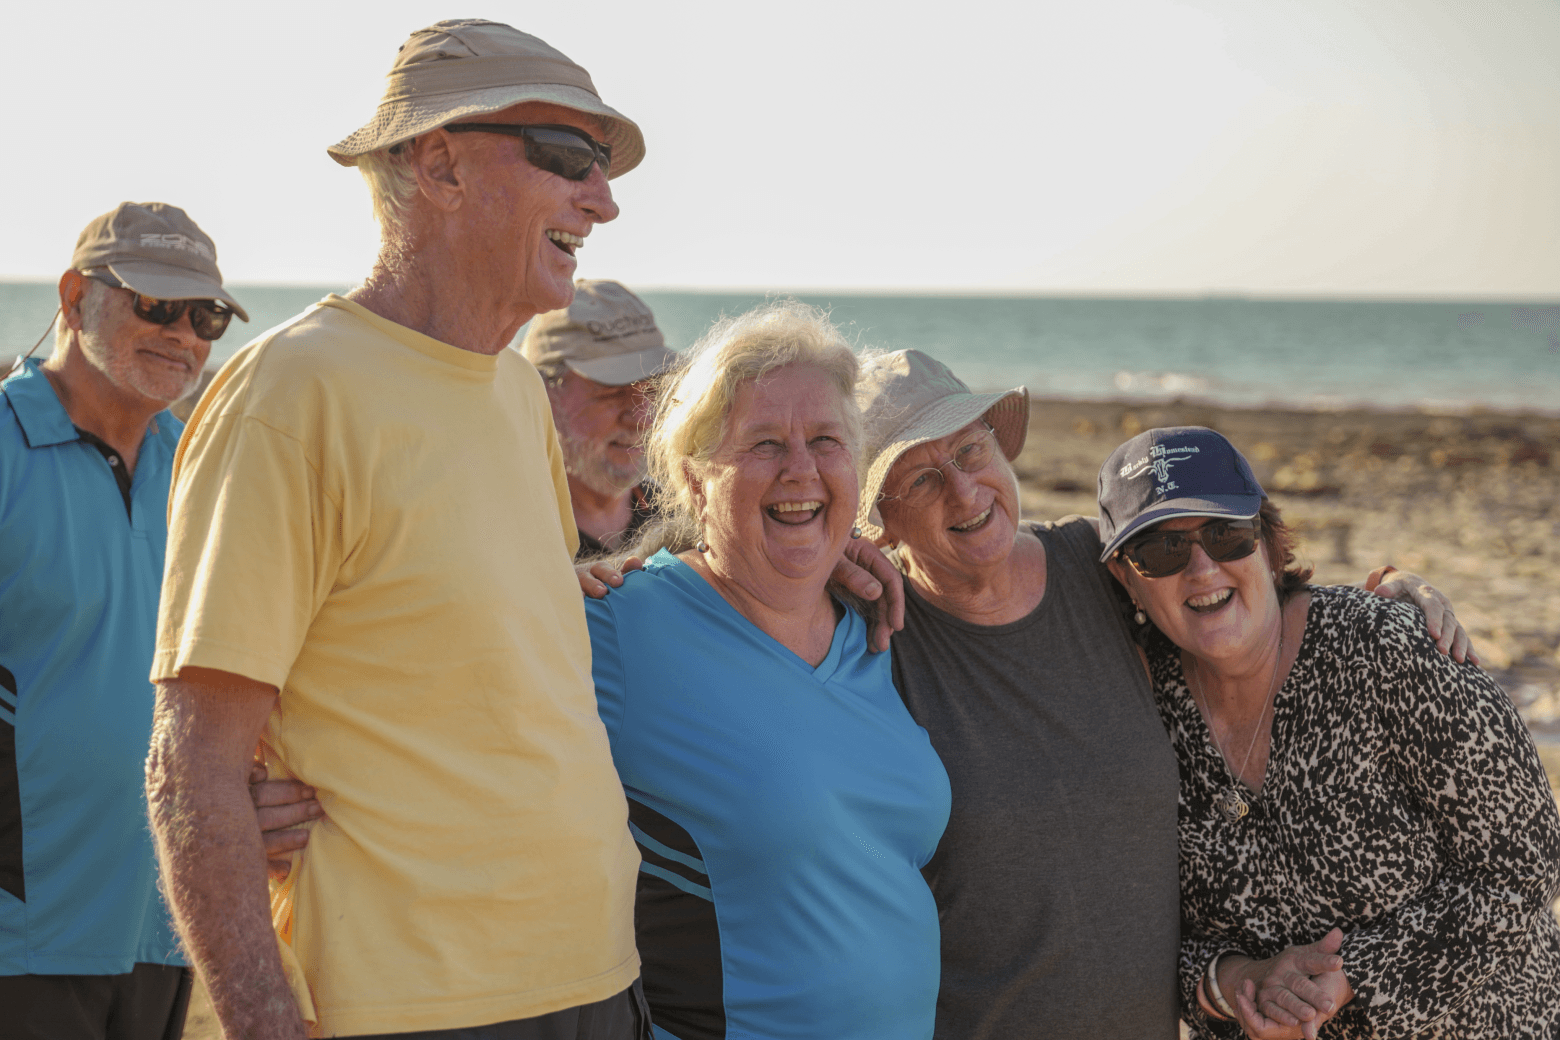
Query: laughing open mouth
565,241
1209,603
973,523
794,513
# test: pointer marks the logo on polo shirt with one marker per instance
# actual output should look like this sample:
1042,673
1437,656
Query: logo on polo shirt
174,240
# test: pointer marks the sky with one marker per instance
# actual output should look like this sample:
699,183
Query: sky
1388,148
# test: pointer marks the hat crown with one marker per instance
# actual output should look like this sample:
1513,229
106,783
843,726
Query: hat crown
610,310
605,321
153,232
897,387
459,68
456,38
1173,471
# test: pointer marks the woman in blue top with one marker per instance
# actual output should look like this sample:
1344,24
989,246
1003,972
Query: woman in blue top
782,798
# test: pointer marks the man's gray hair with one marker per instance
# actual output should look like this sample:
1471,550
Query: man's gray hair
695,398
391,187
94,296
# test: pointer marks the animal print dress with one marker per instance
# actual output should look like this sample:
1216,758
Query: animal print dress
1404,803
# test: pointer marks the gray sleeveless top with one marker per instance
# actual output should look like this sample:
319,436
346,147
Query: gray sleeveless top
1056,880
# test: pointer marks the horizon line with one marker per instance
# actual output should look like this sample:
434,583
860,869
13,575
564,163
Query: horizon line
1000,292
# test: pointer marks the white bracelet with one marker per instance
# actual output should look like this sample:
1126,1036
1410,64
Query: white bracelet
1212,976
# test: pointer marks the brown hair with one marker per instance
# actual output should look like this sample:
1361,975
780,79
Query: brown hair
1288,576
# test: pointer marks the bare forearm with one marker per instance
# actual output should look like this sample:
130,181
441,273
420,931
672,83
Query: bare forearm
213,871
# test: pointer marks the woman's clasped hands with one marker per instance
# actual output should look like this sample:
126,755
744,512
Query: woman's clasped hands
1288,996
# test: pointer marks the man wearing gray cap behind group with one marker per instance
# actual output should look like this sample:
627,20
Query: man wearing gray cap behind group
369,570
87,951
598,356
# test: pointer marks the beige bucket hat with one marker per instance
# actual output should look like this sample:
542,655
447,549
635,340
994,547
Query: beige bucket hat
156,250
470,66
908,398
608,335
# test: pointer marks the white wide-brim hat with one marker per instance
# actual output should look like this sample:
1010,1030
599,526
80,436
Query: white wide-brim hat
469,66
908,398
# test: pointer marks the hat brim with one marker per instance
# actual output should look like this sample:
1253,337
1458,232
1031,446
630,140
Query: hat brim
1007,412
406,117
172,283
623,369
1235,507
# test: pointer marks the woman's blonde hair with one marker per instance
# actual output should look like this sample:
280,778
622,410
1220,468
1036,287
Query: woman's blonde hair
695,398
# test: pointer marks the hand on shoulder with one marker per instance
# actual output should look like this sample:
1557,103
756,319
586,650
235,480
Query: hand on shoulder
599,577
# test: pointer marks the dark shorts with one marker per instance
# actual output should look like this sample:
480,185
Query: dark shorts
623,1017
148,1003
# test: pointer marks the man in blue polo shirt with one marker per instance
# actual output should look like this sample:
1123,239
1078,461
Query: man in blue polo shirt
86,449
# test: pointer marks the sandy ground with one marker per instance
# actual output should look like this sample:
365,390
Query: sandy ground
1470,502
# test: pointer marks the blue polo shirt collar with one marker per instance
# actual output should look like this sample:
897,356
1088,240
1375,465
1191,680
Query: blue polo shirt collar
43,419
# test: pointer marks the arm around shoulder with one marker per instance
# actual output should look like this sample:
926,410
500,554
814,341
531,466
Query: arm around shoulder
209,850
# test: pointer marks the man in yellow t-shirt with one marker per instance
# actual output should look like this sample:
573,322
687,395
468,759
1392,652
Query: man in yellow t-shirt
369,569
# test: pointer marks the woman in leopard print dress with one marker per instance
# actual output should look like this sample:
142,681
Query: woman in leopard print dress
1369,845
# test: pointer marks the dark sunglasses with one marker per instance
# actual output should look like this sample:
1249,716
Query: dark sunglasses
209,318
1160,554
564,150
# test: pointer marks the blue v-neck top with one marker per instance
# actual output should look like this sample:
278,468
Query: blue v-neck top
783,813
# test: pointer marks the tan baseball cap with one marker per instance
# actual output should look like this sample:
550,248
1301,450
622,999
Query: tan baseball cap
464,67
156,250
908,398
607,335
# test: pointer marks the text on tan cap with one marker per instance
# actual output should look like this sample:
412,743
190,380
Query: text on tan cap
608,335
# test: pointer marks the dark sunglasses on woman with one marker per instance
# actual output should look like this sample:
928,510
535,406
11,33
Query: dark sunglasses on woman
209,318
564,150
1159,554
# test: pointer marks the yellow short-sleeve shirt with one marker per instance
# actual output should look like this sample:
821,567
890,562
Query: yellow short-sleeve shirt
378,524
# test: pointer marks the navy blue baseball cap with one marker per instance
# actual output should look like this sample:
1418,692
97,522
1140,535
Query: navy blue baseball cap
1169,472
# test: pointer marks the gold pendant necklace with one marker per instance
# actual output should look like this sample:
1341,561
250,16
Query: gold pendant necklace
1231,803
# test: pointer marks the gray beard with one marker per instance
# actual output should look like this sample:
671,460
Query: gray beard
586,462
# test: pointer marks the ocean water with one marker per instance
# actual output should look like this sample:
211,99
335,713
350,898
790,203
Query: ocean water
1445,356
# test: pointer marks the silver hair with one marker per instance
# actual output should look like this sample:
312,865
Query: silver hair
695,398
94,297
391,187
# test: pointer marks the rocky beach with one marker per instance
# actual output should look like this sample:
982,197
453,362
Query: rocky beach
1471,502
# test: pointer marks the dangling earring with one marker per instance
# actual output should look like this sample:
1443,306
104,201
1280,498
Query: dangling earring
701,545
855,531
1140,617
